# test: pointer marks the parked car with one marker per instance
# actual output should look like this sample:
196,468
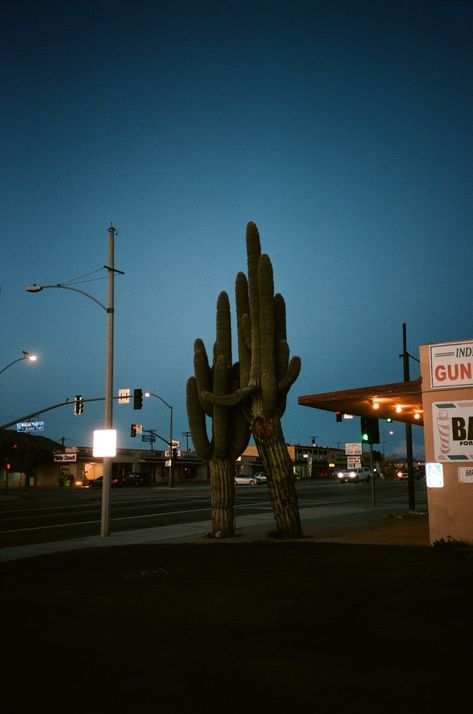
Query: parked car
251,480
261,477
137,479
98,482
354,475
119,481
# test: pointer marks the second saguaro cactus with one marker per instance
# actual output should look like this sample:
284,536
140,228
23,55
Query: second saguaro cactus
230,428
262,322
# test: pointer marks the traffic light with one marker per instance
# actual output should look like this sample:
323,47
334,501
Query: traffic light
78,404
11,454
339,416
175,454
388,420
137,398
133,430
369,430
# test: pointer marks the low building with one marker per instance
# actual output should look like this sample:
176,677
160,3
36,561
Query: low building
76,466
307,461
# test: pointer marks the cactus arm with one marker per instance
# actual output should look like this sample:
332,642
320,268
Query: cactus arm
223,329
229,400
291,375
244,327
196,417
279,318
203,373
253,247
266,315
282,359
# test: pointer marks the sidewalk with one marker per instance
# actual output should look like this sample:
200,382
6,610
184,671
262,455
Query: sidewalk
369,525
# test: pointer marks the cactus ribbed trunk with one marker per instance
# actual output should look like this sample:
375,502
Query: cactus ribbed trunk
272,449
222,495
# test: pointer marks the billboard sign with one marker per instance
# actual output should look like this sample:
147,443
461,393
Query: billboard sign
452,425
353,449
451,365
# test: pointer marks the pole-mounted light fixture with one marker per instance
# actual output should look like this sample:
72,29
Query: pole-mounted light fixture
25,356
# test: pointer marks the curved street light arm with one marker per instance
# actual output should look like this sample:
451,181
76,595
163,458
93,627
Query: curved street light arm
37,288
10,364
153,394
26,355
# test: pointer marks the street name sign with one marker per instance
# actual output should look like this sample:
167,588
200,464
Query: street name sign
61,458
30,426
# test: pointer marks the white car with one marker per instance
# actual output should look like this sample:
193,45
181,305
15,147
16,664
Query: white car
354,475
252,480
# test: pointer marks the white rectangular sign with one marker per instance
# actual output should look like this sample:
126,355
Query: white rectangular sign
124,396
465,474
353,462
105,443
451,365
452,426
434,475
353,449
65,457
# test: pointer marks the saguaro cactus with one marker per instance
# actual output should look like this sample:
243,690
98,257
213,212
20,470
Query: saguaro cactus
230,428
262,322
268,374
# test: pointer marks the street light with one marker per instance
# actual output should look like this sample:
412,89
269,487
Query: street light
26,355
153,394
108,417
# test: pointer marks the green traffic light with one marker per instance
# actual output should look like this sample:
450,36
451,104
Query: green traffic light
364,437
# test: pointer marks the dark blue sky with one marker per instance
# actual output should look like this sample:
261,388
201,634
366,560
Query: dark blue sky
343,129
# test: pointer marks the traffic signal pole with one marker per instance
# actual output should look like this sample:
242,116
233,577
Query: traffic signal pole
373,480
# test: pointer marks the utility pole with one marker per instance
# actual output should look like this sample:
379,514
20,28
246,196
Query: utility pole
108,418
410,461
186,434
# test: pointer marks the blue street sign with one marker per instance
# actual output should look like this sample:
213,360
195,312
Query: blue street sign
148,437
30,426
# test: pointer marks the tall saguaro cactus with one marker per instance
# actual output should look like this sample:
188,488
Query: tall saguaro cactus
267,374
264,350
230,428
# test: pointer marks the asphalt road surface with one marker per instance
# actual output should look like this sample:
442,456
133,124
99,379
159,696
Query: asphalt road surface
46,515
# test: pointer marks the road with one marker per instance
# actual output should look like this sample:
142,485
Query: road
46,515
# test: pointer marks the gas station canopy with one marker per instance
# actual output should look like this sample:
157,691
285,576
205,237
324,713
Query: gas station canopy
401,401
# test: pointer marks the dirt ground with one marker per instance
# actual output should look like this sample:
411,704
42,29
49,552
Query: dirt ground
241,627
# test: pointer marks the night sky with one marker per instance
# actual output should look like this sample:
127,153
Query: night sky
343,129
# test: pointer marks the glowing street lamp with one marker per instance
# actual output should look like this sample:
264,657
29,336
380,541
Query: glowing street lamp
25,356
